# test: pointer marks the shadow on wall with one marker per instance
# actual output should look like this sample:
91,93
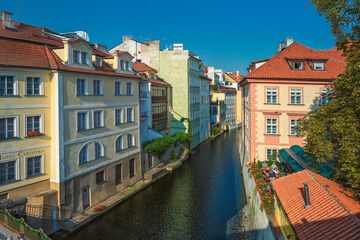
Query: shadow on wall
315,104
176,124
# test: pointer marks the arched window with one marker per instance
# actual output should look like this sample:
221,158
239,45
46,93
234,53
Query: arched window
119,144
91,151
131,140
83,155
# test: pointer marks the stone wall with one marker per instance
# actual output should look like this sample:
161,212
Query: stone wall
262,223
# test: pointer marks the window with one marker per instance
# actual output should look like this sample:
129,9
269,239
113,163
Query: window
82,121
100,177
152,76
33,124
318,66
127,66
81,85
129,89
298,66
119,144
7,128
97,87
83,155
118,169
118,116
98,151
271,95
83,58
98,119
295,96
271,154
98,61
293,123
7,85
76,56
132,168
8,171
122,65
130,139
325,96
130,115
271,126
34,166
32,86
118,88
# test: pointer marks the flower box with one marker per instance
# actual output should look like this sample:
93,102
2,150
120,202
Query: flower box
34,133
98,208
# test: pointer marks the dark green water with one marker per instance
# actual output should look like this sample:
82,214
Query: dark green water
194,202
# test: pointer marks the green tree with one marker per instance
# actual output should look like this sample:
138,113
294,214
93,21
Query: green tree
332,132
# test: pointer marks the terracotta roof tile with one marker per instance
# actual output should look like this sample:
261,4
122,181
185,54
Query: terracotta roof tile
332,213
142,67
277,67
158,81
30,33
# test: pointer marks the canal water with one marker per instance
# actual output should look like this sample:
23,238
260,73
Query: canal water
194,202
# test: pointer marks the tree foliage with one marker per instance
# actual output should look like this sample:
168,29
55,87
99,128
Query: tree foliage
332,132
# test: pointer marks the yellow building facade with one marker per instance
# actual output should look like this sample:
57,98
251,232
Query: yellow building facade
69,120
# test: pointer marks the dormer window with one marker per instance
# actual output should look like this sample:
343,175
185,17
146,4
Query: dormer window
298,66
318,66
125,65
98,61
76,57
152,76
79,57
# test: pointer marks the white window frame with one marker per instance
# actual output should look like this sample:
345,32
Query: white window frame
272,124
15,83
86,58
41,122
292,126
87,120
271,92
100,87
86,155
101,118
41,85
131,88
17,170
86,92
319,64
121,116
323,96
101,150
16,126
132,115
294,93
42,166
121,137
98,61
78,56
132,139
121,88
271,152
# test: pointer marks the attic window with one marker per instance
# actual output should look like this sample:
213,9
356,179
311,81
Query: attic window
298,66
318,66
98,61
79,57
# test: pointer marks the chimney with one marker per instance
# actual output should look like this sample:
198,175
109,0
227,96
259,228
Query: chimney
307,198
237,73
289,41
101,47
7,19
125,38
178,46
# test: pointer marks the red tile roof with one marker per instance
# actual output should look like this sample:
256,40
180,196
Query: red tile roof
142,67
277,67
333,213
158,81
100,53
30,33
205,68
235,76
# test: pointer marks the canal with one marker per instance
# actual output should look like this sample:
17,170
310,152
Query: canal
194,202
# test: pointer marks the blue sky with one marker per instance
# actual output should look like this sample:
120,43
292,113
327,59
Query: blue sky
227,34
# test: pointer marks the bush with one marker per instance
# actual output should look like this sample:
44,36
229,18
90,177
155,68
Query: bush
160,145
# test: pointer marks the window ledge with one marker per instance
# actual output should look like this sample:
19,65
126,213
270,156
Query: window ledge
268,134
9,182
294,104
35,176
9,96
98,127
27,136
9,139
101,183
34,95
101,95
272,103
290,135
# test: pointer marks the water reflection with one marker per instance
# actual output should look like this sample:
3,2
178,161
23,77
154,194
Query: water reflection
194,202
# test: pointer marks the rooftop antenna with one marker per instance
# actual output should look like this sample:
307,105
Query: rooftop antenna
19,7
